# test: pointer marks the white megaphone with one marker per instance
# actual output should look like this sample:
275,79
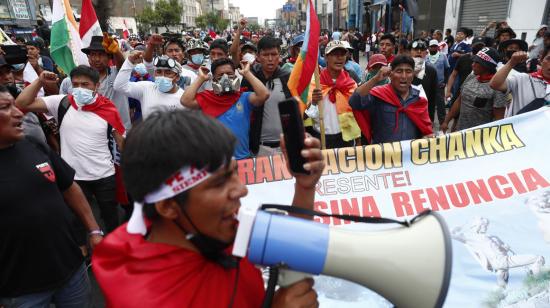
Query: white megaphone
409,266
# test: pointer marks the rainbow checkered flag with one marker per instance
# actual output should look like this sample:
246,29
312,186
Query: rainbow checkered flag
300,77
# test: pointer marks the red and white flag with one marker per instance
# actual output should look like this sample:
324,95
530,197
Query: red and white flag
125,32
89,25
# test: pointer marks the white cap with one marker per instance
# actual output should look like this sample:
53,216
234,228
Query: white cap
433,43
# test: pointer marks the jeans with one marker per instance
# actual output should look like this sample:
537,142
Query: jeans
76,293
104,191
439,104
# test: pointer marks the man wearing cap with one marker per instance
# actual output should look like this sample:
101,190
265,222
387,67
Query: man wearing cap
508,48
195,53
133,40
341,129
395,111
529,91
163,93
352,67
477,103
294,52
439,61
376,62
425,75
88,122
101,51
38,62
503,34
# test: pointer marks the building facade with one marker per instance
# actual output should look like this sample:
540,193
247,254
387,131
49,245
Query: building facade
234,15
525,16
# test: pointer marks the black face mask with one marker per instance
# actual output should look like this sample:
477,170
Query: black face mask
211,248
508,54
433,52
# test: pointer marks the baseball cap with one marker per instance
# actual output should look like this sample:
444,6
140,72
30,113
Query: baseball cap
377,59
249,45
297,40
433,43
333,45
348,46
487,57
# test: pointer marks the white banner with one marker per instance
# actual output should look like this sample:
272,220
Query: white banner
491,184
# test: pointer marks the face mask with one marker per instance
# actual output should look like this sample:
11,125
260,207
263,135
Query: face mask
164,84
197,59
40,62
226,85
248,57
211,248
18,67
141,69
433,53
83,97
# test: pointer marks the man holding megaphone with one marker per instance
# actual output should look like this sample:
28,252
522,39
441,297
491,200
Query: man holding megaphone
175,250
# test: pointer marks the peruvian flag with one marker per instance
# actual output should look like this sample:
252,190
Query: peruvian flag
125,32
89,26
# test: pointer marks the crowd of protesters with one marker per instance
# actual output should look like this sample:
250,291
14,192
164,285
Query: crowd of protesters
123,128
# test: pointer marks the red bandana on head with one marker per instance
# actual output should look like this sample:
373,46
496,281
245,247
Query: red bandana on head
417,112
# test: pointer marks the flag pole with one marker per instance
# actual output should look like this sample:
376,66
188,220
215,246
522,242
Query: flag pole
321,110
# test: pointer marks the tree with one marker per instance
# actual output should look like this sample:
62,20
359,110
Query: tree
169,13
212,20
166,13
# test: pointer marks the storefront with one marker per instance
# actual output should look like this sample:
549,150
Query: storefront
18,17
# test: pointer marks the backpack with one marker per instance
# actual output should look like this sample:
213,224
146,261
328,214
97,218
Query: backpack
64,106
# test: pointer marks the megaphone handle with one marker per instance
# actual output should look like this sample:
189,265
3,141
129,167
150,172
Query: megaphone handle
288,277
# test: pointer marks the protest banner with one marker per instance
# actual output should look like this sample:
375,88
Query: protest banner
490,183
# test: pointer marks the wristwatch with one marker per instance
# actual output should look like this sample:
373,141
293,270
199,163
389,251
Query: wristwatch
96,232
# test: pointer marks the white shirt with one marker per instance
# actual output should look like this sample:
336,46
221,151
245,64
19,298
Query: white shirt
146,92
84,142
332,125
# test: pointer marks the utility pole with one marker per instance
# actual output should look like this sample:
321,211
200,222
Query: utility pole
212,3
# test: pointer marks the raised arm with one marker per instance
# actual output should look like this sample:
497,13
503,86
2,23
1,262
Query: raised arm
122,82
365,88
235,46
155,40
189,97
27,99
450,83
261,93
498,82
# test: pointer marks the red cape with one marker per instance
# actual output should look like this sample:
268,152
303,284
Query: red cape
105,109
538,75
133,272
417,112
215,105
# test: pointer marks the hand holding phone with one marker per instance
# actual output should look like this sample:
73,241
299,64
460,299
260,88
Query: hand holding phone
294,134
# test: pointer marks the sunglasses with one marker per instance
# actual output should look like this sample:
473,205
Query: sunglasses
163,62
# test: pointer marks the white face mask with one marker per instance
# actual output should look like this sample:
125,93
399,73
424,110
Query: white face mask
249,57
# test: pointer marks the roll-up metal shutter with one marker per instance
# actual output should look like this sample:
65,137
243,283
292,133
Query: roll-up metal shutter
476,14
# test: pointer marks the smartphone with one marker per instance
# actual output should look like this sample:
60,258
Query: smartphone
294,134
